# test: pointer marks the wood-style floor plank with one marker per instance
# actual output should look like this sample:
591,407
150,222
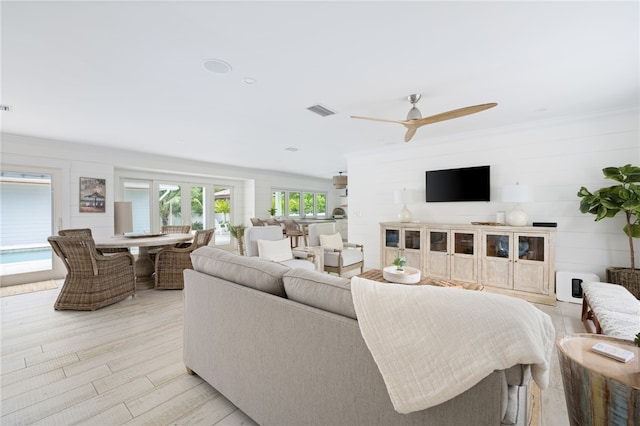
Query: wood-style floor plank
122,364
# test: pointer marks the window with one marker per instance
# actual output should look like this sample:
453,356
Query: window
169,205
222,215
139,193
202,205
299,203
27,212
278,202
294,204
197,210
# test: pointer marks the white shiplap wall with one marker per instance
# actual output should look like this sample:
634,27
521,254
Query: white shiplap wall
555,158
252,186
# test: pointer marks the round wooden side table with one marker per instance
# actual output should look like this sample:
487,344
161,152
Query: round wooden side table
599,390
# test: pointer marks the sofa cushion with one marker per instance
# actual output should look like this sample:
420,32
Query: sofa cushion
331,242
278,250
251,272
322,291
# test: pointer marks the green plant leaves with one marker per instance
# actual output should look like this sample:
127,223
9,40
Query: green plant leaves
625,197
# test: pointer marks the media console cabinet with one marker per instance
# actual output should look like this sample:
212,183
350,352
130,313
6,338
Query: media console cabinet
513,260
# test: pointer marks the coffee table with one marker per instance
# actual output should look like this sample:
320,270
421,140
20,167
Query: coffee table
376,275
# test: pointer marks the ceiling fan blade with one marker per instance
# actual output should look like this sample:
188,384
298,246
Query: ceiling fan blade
410,132
379,119
449,115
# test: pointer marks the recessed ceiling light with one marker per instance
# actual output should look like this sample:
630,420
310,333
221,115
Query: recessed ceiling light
248,80
217,66
291,148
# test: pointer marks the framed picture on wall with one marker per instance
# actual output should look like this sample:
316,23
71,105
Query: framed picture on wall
92,195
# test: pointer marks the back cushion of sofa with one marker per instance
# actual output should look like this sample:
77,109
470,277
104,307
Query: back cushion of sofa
251,272
322,291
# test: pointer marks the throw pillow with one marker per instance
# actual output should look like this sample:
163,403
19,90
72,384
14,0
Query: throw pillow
331,242
277,251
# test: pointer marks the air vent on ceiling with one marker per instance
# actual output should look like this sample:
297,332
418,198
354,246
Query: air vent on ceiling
320,110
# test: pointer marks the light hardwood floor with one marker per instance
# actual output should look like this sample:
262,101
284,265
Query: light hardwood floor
123,365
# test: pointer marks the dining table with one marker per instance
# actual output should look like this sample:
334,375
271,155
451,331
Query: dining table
144,266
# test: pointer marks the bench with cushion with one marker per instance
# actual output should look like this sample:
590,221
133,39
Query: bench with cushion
612,310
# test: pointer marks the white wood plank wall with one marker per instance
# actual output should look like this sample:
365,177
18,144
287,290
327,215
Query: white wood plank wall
555,158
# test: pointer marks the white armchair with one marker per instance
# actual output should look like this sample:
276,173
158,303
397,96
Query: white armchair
339,256
257,237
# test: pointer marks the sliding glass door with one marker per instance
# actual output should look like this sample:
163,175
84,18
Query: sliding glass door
169,202
138,192
26,221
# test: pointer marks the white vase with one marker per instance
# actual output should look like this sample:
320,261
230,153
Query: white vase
404,215
517,217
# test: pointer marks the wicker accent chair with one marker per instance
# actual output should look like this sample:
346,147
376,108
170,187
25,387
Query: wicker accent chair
169,229
86,232
257,222
93,280
293,230
176,229
172,261
272,222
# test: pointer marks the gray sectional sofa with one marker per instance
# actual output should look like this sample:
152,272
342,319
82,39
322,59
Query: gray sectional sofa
284,346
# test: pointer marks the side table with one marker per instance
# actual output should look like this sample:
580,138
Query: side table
599,390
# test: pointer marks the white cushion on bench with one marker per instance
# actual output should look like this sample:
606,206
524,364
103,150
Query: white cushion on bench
616,309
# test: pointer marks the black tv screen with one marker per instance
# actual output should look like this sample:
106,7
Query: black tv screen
466,184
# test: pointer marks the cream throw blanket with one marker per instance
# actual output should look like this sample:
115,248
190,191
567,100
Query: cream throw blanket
433,343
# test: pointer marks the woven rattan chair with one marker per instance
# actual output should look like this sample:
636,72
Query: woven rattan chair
93,280
293,230
86,232
257,222
176,229
169,229
172,261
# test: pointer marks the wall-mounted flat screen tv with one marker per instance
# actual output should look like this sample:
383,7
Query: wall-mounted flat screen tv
465,184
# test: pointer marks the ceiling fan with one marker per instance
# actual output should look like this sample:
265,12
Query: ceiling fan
414,118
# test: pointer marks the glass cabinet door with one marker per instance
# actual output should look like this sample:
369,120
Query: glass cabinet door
412,239
438,241
392,238
497,245
531,248
463,243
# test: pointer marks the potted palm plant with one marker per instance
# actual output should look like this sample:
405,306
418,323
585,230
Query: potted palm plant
608,202
237,232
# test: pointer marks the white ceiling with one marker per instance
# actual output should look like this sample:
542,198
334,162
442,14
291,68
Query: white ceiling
130,75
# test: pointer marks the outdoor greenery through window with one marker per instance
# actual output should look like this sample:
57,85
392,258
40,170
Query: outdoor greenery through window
299,203
202,206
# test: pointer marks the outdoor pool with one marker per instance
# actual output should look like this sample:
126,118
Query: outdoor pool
25,255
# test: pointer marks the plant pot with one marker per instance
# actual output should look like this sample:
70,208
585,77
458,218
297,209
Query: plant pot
626,277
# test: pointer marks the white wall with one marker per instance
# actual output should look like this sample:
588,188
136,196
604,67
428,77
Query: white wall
555,158
252,187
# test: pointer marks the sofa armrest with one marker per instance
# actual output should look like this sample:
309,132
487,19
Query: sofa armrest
354,245
303,254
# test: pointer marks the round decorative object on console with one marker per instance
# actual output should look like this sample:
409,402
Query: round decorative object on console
408,275
517,217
